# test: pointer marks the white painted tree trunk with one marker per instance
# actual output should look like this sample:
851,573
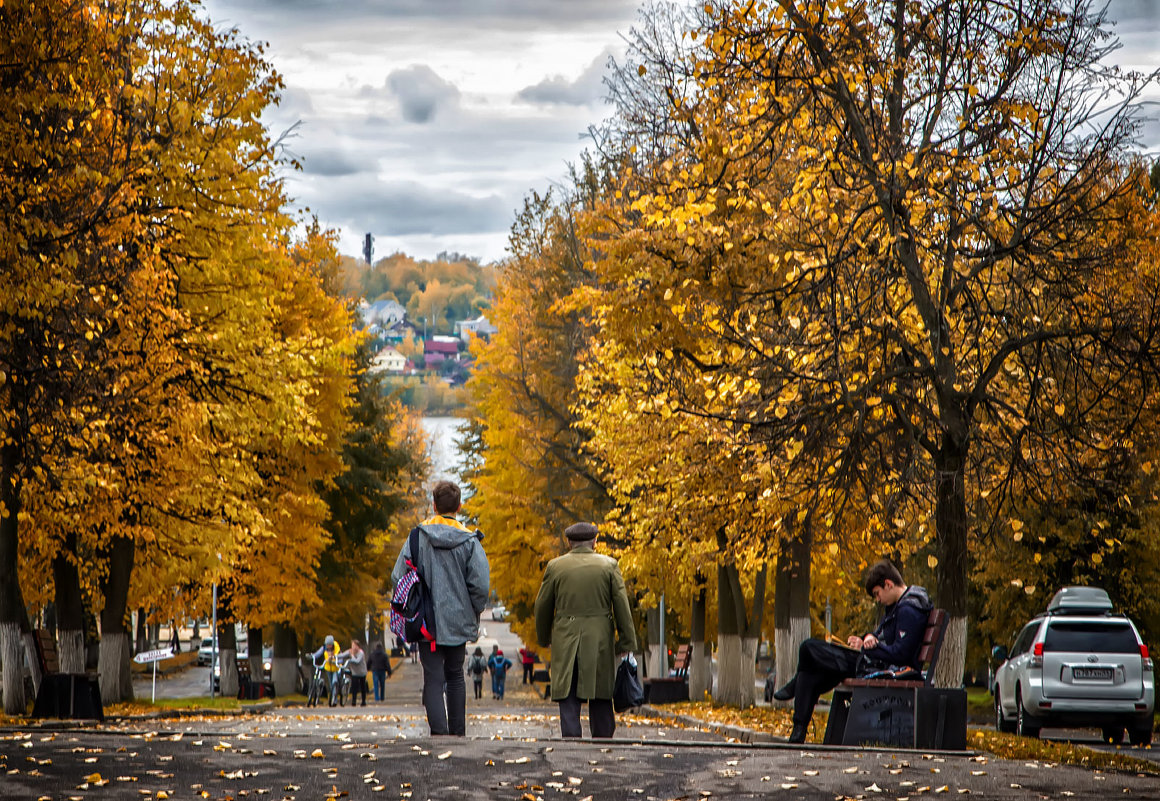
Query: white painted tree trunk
786,643
736,658
728,655
12,649
700,671
114,668
949,670
747,672
70,648
284,674
29,642
228,660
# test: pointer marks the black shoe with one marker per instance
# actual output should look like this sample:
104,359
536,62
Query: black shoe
798,735
786,692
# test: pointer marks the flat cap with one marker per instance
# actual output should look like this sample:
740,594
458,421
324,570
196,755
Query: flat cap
580,531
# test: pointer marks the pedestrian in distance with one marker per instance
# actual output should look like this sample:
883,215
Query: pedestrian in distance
456,576
528,661
582,613
498,664
476,668
893,646
356,663
379,665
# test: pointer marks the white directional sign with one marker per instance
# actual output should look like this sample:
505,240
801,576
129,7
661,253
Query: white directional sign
156,655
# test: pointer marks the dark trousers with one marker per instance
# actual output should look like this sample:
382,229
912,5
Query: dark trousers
477,683
529,668
444,690
601,718
821,667
380,682
358,684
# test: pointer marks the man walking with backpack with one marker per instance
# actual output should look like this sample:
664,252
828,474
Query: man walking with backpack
476,667
455,577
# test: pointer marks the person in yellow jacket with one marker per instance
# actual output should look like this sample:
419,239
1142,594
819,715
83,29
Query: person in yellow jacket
329,654
582,612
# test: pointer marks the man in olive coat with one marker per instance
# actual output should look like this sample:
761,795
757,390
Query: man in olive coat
582,612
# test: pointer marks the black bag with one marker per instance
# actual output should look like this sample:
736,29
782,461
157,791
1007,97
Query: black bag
412,616
628,691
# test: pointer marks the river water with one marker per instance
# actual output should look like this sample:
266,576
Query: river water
442,434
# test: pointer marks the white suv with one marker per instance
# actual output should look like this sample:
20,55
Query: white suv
1077,664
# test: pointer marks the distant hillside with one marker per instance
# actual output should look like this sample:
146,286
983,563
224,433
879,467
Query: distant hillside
452,287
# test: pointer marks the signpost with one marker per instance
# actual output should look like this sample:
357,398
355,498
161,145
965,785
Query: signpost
154,656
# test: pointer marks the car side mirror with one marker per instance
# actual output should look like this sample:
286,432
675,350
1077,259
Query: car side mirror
999,653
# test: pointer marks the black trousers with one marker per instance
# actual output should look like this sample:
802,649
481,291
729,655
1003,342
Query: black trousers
358,684
821,667
444,690
601,718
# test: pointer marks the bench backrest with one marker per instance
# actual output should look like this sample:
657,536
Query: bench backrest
681,661
46,651
932,640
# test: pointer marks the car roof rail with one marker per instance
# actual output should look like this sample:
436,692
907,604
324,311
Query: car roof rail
1080,600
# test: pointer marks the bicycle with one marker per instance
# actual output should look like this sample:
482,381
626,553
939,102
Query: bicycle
319,682
342,685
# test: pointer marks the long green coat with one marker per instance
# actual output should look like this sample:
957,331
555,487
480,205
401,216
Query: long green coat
581,610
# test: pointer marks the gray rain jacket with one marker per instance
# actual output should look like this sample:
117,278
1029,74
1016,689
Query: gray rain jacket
455,571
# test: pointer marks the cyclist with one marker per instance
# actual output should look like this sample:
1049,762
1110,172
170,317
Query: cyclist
329,654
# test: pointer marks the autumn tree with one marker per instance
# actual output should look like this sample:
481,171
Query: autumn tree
533,479
954,252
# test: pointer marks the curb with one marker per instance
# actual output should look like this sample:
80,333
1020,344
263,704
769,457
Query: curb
741,735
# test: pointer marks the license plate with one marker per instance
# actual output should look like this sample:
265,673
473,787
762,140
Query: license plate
1092,673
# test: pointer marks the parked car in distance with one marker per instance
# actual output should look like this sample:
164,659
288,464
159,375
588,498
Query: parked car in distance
498,613
205,651
1077,664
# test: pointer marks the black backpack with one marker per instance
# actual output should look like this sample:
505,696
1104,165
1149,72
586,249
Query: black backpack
412,615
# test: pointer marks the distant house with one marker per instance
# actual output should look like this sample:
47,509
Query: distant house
479,326
447,346
382,314
388,360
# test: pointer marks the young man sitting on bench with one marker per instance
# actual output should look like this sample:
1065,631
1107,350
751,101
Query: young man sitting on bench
895,644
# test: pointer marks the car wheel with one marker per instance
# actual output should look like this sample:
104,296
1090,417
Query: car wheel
1113,734
1025,725
1001,722
1141,735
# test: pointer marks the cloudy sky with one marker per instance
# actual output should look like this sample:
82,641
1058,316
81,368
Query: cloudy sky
426,122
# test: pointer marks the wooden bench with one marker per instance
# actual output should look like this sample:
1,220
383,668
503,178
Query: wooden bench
905,713
63,695
672,688
248,688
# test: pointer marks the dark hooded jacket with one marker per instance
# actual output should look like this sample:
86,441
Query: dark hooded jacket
900,631
455,572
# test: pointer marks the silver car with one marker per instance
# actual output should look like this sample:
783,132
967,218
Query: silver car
1077,664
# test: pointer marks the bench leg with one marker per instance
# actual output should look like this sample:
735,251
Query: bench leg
839,712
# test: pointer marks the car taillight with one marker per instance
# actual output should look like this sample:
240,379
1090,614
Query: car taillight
1038,649
1143,650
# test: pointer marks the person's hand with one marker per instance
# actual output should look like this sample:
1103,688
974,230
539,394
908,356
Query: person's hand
855,642
869,641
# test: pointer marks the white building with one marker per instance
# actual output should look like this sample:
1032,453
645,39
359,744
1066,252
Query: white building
479,326
388,360
382,313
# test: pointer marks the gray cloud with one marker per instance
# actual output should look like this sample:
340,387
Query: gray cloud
331,163
366,203
421,92
586,90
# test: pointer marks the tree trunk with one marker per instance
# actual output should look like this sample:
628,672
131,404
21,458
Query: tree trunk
655,664
116,681
284,666
791,607
254,646
700,664
70,611
11,599
951,575
141,632
737,635
227,658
